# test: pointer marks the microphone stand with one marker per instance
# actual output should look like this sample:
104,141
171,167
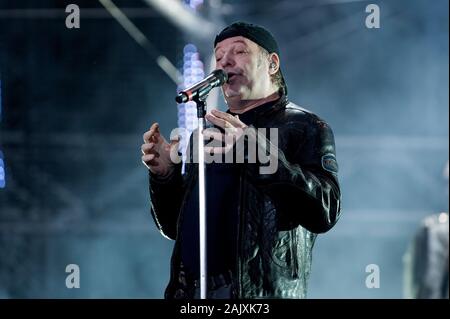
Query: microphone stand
218,77
200,100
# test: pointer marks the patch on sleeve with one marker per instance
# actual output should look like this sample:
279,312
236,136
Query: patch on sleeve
329,163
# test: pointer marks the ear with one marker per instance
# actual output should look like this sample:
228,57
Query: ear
274,63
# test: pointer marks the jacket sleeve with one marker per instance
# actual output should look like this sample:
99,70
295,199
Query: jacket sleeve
166,196
304,187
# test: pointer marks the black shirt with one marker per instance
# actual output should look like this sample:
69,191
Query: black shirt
222,196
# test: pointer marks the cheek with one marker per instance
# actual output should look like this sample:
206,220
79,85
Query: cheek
255,71
250,68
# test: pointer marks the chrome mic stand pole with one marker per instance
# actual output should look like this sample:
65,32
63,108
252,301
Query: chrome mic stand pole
198,93
201,111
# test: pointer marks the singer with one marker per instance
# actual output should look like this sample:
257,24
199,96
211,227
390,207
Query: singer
261,228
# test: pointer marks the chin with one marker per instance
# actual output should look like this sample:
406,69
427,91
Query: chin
232,94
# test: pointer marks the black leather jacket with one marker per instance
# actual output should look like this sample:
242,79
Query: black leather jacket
280,214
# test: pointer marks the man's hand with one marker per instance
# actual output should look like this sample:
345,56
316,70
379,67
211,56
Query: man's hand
156,151
233,126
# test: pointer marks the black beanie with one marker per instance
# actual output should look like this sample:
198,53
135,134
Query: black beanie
255,33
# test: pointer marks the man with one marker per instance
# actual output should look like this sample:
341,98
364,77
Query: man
425,263
261,226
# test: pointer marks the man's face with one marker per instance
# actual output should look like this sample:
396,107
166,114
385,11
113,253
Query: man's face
248,72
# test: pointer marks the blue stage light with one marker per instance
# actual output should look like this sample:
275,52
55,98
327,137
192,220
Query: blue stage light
193,71
2,172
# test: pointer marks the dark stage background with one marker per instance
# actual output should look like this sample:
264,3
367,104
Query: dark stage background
75,103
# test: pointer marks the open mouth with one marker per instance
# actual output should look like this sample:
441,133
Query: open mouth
231,76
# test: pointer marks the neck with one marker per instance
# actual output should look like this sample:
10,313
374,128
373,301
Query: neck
243,106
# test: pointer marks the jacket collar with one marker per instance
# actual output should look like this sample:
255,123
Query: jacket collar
263,110
279,105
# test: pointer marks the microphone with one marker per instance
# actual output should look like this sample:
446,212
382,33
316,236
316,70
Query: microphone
202,88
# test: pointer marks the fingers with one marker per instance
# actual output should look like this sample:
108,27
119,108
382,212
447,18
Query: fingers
225,116
156,150
233,120
153,134
214,134
221,143
149,154
147,148
150,159
175,140
216,120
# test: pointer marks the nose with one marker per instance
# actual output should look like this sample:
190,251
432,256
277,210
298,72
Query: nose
226,61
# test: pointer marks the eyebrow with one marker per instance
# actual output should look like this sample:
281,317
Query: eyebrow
237,41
